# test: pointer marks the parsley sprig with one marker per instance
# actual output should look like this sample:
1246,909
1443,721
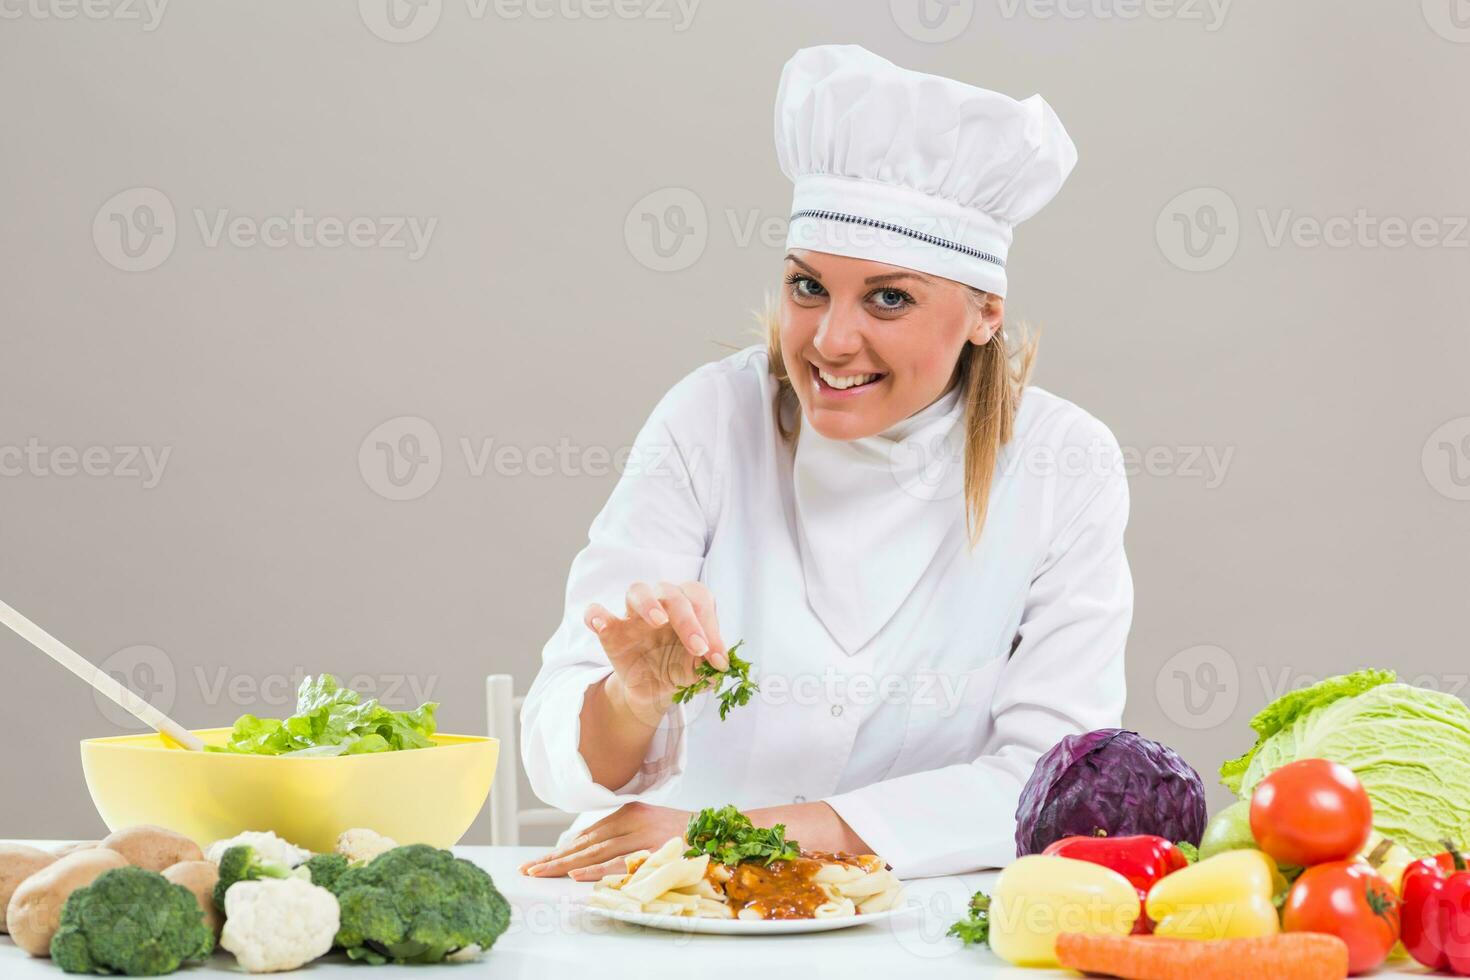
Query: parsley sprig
728,837
975,928
708,678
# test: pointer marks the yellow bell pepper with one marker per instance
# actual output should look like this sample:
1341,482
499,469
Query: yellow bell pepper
1039,896
1387,857
1227,896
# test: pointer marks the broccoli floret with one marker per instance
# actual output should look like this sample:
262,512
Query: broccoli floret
326,868
417,904
132,921
244,863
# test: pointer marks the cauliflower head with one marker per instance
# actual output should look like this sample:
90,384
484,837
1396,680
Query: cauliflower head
244,863
360,844
278,923
272,849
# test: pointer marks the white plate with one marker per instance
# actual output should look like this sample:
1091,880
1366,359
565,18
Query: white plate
742,927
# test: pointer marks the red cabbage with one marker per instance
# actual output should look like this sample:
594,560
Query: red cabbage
1112,782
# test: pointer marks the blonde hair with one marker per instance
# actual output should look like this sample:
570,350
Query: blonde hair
991,377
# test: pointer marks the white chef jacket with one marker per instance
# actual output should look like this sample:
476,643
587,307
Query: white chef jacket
921,739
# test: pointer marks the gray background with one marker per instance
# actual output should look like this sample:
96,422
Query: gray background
1330,376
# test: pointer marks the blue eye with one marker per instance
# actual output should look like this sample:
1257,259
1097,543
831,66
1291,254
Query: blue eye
891,299
805,286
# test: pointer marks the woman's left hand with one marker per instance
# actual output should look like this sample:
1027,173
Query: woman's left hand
599,849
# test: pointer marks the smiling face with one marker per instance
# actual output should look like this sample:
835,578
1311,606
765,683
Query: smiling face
867,344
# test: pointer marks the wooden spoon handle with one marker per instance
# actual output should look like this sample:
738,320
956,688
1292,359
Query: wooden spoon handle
100,680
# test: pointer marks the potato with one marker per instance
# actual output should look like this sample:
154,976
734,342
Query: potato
80,845
154,848
34,912
200,878
17,863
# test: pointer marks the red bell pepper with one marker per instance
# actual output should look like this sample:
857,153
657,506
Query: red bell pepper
1141,858
1435,920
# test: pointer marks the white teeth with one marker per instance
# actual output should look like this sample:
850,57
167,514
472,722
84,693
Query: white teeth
833,381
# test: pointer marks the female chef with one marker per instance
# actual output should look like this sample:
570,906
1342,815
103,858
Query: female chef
922,556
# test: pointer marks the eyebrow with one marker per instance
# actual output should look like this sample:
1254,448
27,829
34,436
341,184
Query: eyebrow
886,277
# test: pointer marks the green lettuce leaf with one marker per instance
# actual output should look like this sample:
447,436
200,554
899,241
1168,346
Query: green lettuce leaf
333,720
1285,710
1410,747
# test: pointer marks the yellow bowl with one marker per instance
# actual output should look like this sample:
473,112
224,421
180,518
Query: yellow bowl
415,796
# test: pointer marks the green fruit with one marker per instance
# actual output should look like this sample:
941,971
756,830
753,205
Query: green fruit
1228,830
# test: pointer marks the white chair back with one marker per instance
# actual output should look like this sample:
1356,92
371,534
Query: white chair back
502,712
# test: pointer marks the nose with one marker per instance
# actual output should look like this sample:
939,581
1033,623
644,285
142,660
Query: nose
839,336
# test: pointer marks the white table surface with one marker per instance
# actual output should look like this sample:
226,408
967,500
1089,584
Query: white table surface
550,938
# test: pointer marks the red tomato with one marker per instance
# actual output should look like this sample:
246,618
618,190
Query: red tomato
1348,900
1311,811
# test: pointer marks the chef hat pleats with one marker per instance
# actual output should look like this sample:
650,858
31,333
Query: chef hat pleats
912,169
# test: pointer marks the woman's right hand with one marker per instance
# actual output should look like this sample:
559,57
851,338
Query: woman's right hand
655,647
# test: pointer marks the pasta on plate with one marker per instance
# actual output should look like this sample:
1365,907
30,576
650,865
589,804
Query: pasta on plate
815,885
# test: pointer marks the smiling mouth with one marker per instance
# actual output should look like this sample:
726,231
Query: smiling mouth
844,383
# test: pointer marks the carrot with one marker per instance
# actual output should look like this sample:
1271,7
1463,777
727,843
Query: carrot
1286,956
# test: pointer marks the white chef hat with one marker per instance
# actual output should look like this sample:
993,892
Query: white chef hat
910,169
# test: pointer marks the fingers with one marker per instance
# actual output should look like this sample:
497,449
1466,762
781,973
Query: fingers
608,827
704,610
597,618
597,872
682,618
643,602
689,609
587,857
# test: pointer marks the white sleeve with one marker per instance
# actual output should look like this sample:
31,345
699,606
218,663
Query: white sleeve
1064,677
655,526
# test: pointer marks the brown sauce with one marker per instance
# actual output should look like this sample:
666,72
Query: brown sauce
780,890
868,862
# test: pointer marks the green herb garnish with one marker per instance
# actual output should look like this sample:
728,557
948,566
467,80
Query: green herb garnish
976,927
708,678
728,837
